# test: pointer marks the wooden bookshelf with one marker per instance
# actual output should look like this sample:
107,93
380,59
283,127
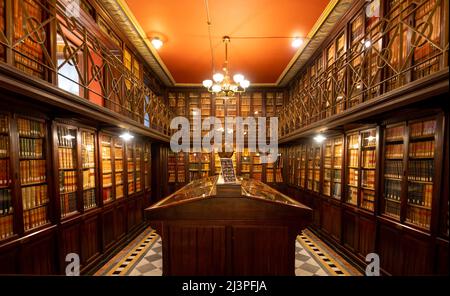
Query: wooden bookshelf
6,182
131,168
147,166
67,141
301,167
409,171
107,168
29,54
361,168
394,146
352,169
119,172
327,167
139,166
88,163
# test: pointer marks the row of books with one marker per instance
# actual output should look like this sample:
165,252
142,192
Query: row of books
418,216
392,189
67,181
68,203
368,200
107,180
6,226
395,133
119,191
35,218
420,194
87,155
353,159
421,170
369,158
5,174
421,149
107,194
336,190
423,128
4,146
368,179
353,177
34,196
106,152
118,165
30,148
31,171
106,166
394,151
6,206
352,195
28,65
393,169
118,152
66,137
88,178
89,201
392,208
30,128
4,123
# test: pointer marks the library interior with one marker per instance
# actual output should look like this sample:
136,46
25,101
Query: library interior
351,95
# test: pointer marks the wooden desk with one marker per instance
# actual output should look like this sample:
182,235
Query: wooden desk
250,234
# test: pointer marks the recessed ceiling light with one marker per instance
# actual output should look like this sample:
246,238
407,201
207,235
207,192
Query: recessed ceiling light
157,43
297,42
319,138
126,136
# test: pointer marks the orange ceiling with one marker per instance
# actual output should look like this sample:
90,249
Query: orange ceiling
186,51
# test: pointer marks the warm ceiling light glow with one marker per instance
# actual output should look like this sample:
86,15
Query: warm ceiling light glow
319,138
69,137
297,42
207,83
245,83
126,136
238,78
367,44
218,77
371,138
216,88
157,43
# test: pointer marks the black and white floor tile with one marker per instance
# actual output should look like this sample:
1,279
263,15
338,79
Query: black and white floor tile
143,257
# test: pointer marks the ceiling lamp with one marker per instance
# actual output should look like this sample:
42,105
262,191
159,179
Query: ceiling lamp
297,42
221,83
157,43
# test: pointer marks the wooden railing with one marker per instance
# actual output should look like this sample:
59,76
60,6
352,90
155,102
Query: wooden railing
408,43
46,40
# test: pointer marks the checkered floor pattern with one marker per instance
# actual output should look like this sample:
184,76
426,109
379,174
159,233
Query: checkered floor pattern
143,257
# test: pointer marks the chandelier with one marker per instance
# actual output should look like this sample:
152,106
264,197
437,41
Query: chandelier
221,83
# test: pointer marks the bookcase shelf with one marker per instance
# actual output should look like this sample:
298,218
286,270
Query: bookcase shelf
119,179
33,169
409,189
6,202
88,164
107,171
361,168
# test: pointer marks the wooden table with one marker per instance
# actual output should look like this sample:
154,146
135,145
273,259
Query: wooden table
248,234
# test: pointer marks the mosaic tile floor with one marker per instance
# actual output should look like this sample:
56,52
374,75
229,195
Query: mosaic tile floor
143,257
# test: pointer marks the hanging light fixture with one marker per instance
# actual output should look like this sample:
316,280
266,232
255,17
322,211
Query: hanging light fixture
221,83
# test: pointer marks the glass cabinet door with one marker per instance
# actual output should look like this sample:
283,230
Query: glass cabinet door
67,167
88,169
